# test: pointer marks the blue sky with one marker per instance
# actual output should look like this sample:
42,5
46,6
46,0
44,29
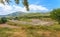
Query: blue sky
34,5
50,4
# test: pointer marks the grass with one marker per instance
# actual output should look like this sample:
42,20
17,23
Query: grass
37,27
26,30
11,32
27,20
5,32
30,31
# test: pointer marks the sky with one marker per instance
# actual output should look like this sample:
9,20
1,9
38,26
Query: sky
34,6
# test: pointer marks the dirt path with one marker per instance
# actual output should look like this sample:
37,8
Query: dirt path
34,22
9,26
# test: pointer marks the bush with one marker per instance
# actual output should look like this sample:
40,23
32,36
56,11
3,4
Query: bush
3,20
55,14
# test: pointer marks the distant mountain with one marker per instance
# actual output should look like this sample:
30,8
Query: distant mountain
19,13
23,14
2,15
16,14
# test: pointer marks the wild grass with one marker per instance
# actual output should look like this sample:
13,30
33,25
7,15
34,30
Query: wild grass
6,32
25,19
36,27
30,30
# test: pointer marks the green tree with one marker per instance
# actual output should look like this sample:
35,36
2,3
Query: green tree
55,14
3,20
25,3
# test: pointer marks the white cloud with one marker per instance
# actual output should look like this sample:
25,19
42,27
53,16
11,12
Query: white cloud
37,7
19,8
6,9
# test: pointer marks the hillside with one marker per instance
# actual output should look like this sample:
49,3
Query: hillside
19,13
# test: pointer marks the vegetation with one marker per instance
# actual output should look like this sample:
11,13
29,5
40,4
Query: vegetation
30,31
55,14
37,27
3,20
29,16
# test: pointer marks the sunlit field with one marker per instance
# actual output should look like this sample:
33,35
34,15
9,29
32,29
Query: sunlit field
29,18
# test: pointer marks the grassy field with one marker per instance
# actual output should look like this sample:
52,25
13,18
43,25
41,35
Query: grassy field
30,31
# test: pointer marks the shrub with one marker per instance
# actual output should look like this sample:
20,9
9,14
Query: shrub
55,14
3,20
